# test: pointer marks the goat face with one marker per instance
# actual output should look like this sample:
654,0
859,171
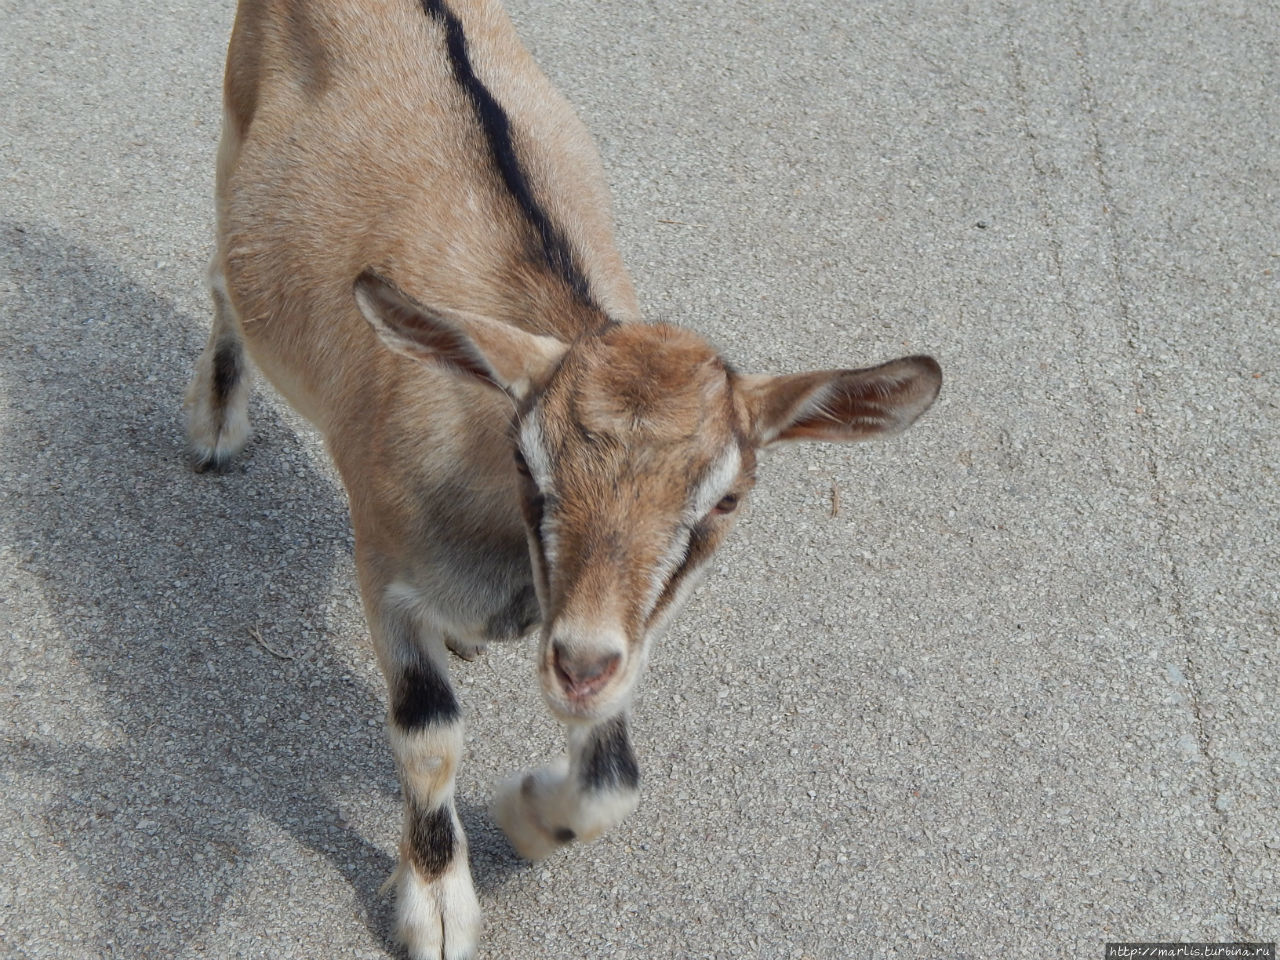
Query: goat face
634,444
633,459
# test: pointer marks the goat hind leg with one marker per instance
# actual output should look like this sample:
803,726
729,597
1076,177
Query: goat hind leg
217,404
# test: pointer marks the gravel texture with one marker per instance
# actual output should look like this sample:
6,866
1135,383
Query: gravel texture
1016,697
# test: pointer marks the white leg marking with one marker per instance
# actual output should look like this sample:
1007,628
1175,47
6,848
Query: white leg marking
545,809
438,919
514,810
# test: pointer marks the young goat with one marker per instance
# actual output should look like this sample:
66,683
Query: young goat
415,247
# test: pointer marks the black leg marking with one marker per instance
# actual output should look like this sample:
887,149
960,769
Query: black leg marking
226,371
496,125
431,839
228,368
608,762
422,697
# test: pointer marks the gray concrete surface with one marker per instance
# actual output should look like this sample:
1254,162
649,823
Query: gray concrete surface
1016,698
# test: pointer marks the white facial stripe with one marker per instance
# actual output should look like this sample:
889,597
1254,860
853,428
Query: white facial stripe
540,578
686,586
550,537
716,483
534,448
666,568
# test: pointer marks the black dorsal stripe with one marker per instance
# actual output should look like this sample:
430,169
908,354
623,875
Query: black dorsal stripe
496,125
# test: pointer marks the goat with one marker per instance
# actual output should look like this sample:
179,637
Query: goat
415,247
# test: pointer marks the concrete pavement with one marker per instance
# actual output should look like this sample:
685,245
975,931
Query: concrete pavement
1003,686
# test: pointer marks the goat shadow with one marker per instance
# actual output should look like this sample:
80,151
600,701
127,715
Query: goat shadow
185,607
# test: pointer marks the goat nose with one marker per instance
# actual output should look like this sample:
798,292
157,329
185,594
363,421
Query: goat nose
582,674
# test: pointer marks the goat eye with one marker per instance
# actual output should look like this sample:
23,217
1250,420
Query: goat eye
727,504
522,467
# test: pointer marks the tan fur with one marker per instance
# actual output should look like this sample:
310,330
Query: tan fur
657,403
383,272
313,189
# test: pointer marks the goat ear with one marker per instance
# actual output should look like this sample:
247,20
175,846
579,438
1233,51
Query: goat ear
841,404
510,358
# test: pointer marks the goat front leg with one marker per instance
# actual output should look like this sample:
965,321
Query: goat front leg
437,914
577,798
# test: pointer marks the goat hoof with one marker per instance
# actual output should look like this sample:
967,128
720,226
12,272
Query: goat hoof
438,919
464,649
514,809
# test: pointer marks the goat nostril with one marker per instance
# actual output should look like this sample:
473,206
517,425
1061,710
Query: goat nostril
583,673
